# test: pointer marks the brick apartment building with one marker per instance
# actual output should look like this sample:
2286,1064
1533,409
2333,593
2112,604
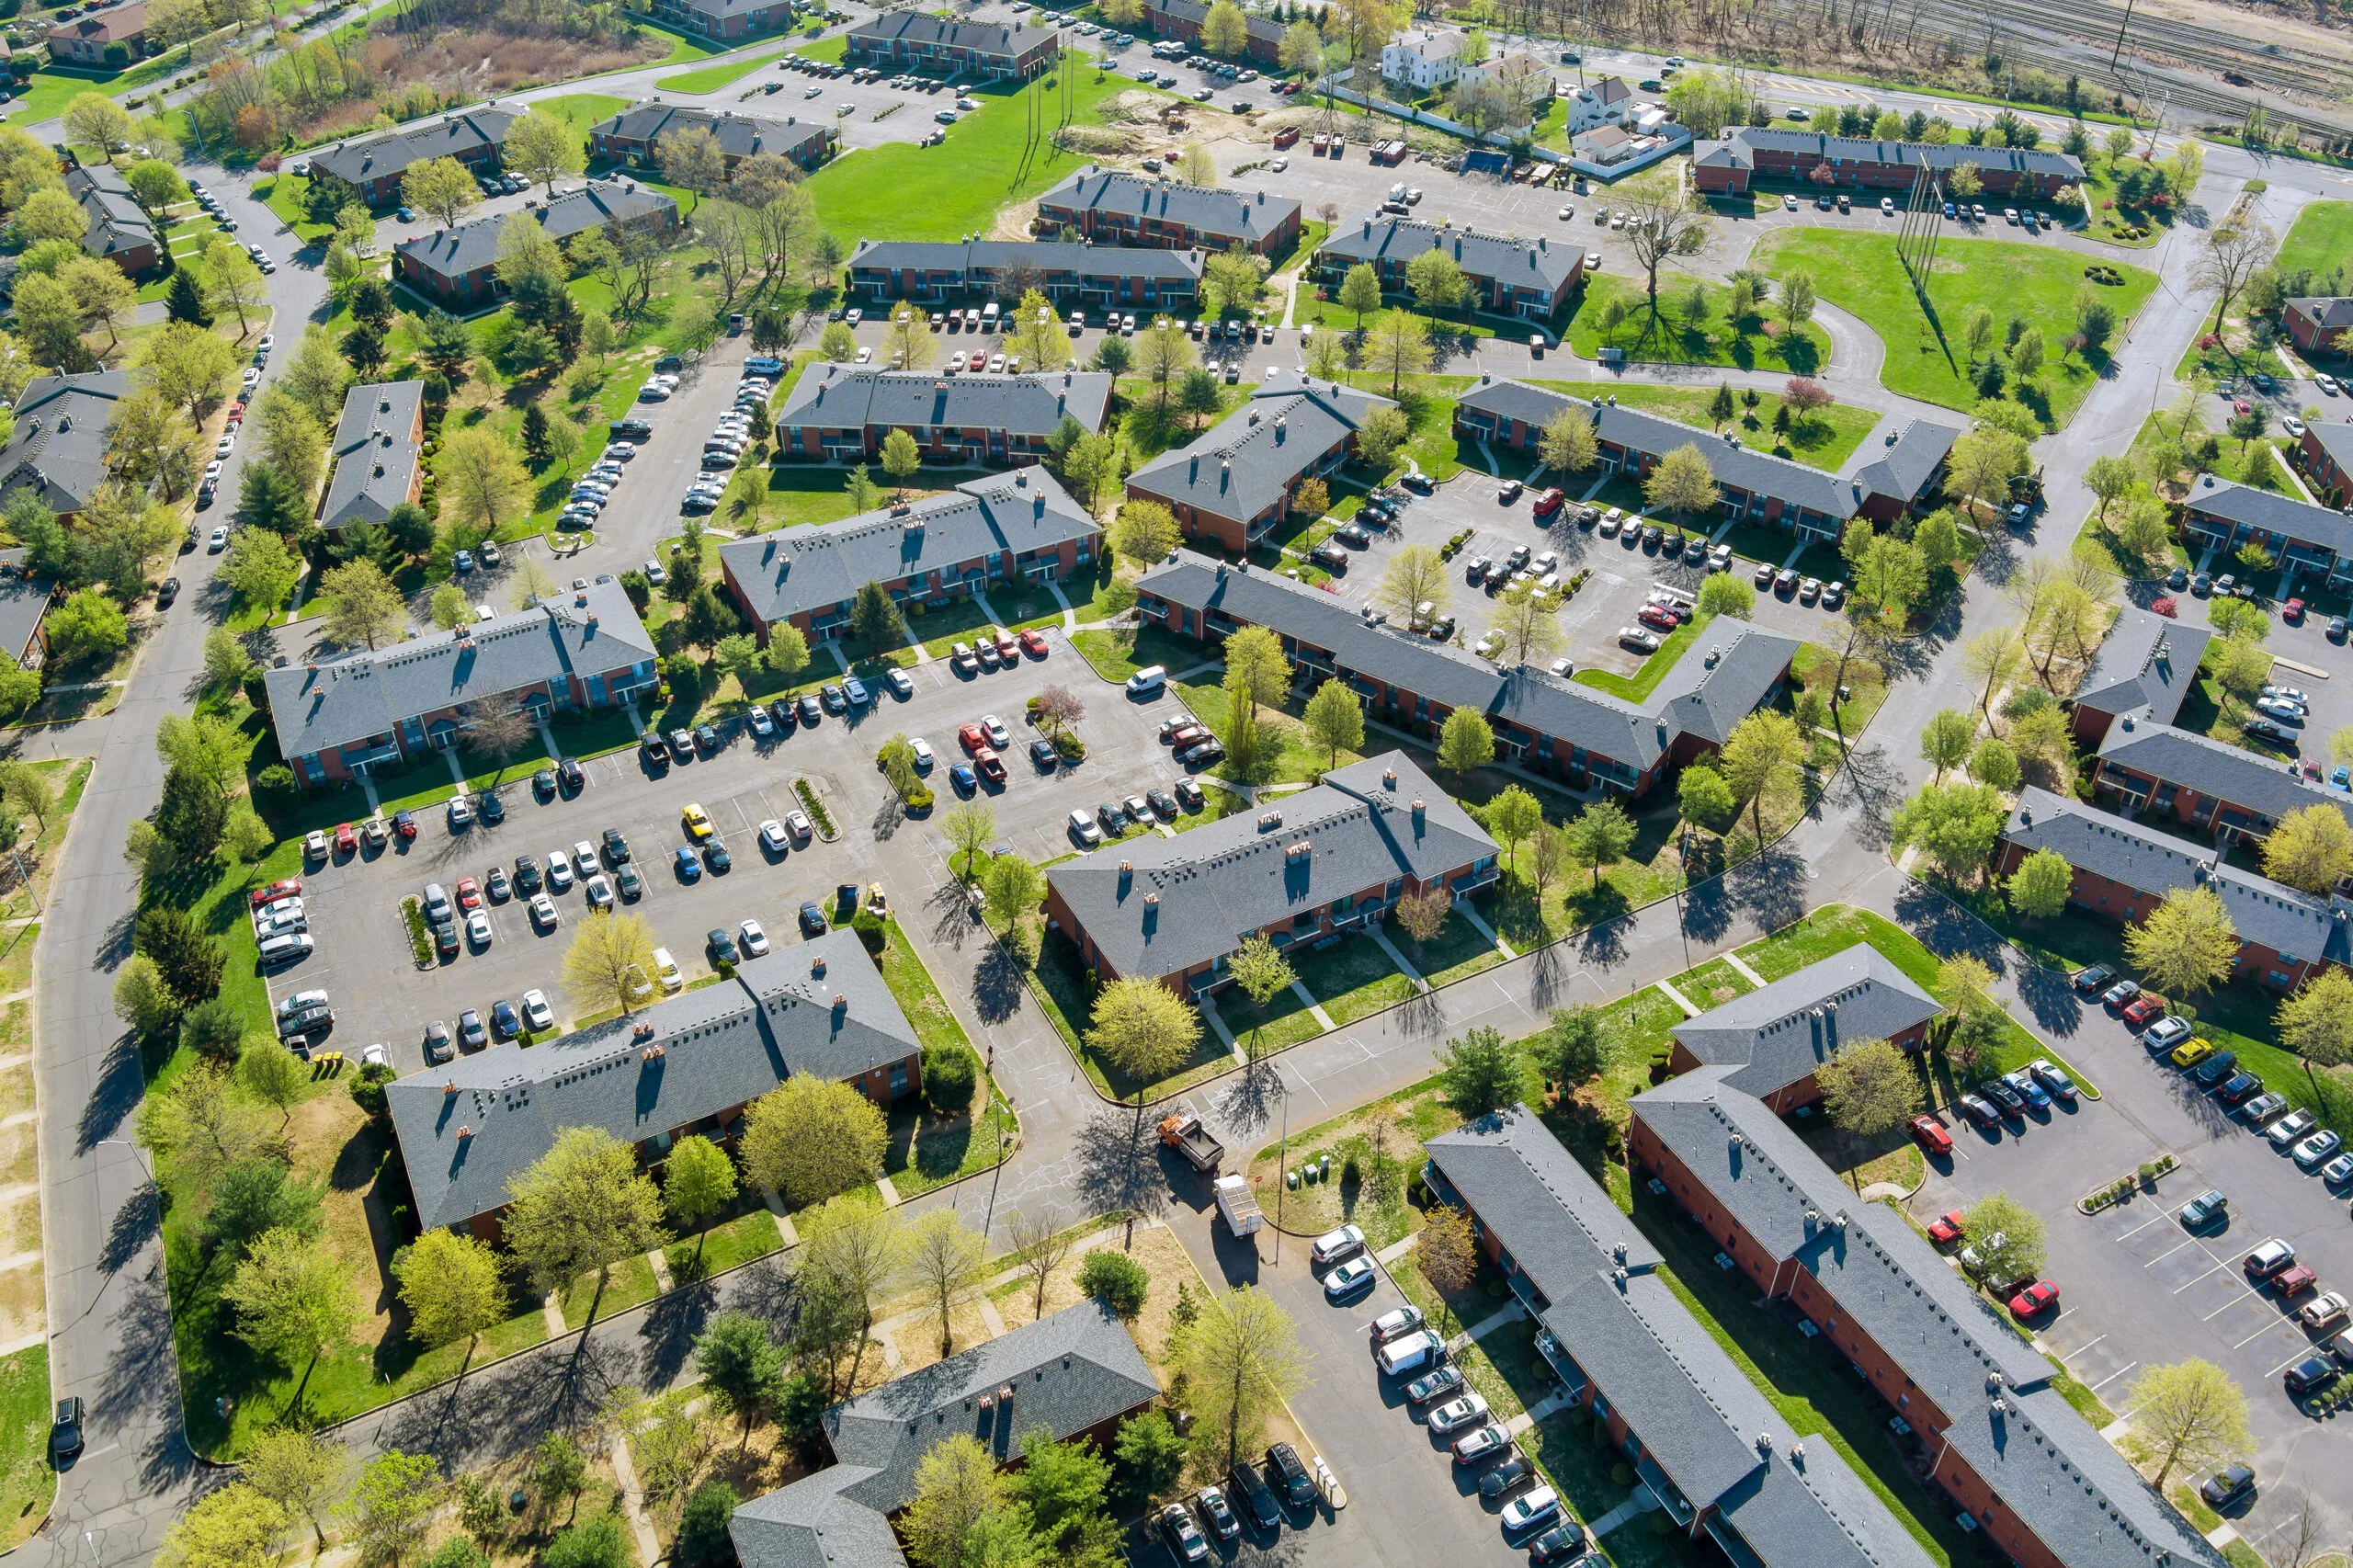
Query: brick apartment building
2146,666
2220,515
1076,1375
685,1066
2325,454
57,449
1111,206
1577,733
373,165
1749,154
338,718
844,413
1772,1040
85,39
914,40
1509,276
728,20
2315,324
2224,791
1902,476
1311,868
2124,869
460,266
1004,528
633,136
1181,20
1697,1432
1235,481
120,230
378,453
2038,1483
1085,274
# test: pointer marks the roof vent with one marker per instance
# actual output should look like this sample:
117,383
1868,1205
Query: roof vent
1152,897
1389,778
465,1132
1764,1442
840,1000
817,967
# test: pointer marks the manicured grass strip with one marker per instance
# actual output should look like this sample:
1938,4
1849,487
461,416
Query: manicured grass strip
1674,336
581,110
1640,684
917,995
1927,356
1824,440
27,1483
710,78
2322,238
630,1283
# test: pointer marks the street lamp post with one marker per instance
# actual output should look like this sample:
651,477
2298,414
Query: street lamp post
1683,880
997,1131
1282,1163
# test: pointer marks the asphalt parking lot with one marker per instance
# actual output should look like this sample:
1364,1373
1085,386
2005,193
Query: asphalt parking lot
363,957
2136,1288
1409,1505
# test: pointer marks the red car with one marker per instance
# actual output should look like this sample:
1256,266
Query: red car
346,842
2035,1300
289,887
973,739
1930,1134
469,893
405,823
1033,642
1550,502
2238,405
978,360
991,768
2292,612
1948,1228
1652,615
2294,1281
2143,1011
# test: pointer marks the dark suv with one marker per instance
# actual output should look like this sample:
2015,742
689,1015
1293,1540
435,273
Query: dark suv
1257,1498
616,846
1285,1470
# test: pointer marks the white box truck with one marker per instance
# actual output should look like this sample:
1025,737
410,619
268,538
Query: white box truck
1235,1201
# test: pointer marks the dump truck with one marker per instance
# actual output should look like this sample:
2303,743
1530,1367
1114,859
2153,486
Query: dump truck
1189,1137
1391,152
1240,1206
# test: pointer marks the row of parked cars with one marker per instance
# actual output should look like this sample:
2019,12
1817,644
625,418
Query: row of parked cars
1532,1515
739,426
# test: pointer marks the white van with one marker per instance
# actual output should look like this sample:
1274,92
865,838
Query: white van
988,316
285,950
666,969
1147,680
1410,1353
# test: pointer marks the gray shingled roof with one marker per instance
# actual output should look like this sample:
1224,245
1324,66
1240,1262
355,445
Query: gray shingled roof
1082,257
782,574
2336,440
2273,512
1901,468
2331,312
850,397
59,447
715,1048
1240,466
2146,661
1068,1373
1942,157
117,221
373,157
989,38
1190,899
1194,11
318,707
374,459
452,252
23,601
1697,1414
2299,925
2212,767
1773,1037
1249,215
739,135
1716,685
1375,236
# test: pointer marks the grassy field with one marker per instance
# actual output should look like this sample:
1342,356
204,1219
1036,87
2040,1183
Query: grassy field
581,110
710,78
1823,441
2322,238
906,192
26,1482
1675,338
2105,219
1926,357
54,86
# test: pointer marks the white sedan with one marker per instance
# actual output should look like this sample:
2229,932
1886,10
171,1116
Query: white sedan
995,730
478,928
922,749
536,1014
762,725
752,938
226,445
1082,823
544,913
1456,1414
269,341
772,836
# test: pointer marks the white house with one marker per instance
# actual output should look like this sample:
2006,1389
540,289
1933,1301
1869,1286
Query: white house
1605,102
1523,71
1423,60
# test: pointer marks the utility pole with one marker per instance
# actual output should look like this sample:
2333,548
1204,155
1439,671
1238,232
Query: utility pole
2118,52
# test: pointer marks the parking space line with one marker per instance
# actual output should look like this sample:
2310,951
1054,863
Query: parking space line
2285,1365
2114,1375
2226,1306
2162,1215
2179,1288
2251,1338
2170,1250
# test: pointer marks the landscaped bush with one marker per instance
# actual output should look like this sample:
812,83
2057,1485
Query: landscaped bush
870,931
950,1074
1116,1280
367,1087
275,789
1622,1474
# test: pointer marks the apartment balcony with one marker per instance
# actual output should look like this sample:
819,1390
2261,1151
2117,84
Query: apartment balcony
1572,1376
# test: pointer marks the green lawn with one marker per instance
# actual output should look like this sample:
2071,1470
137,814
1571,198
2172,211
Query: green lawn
1675,337
26,1482
1645,680
52,87
906,192
829,50
710,78
2112,222
728,1245
2322,238
1928,357
1823,441
1351,977
581,110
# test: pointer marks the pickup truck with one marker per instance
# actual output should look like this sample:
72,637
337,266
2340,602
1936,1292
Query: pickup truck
1240,1206
1189,1137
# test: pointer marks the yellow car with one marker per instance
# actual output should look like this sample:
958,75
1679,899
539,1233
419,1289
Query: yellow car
2191,1052
698,823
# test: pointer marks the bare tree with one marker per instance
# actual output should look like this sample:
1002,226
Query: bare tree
1662,222
2228,257
2300,1536
1041,1242
498,728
